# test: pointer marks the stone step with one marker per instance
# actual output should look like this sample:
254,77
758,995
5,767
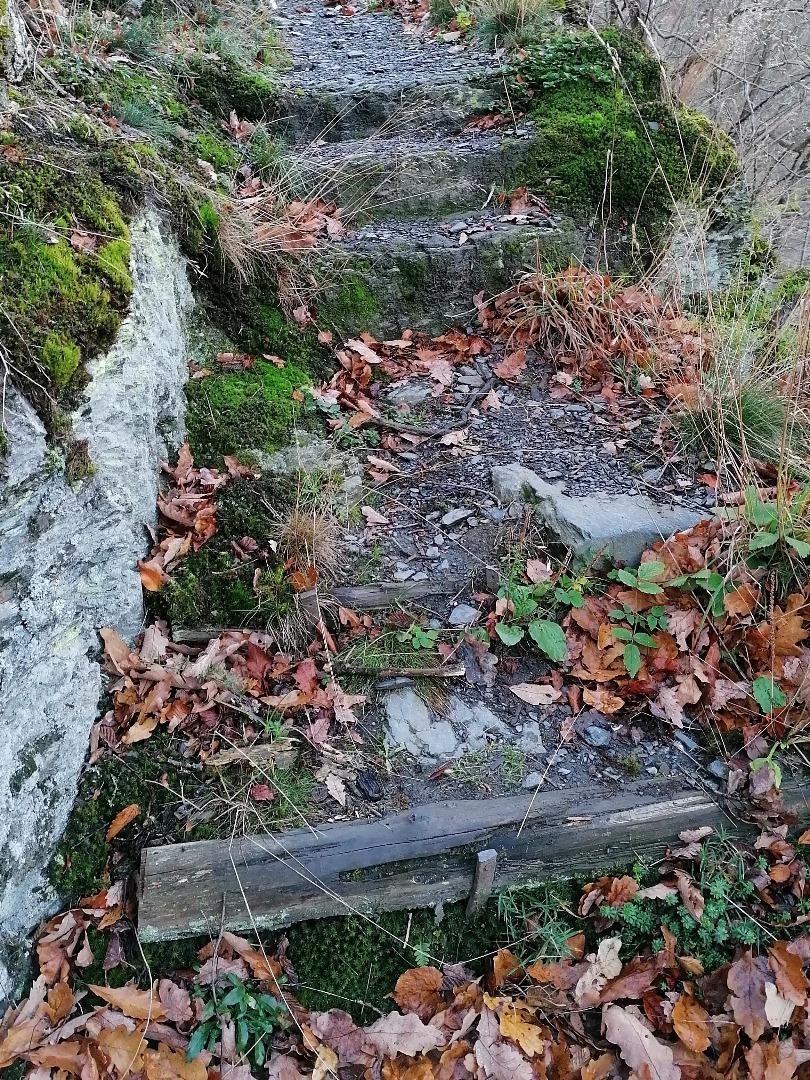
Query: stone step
411,176
352,75
423,275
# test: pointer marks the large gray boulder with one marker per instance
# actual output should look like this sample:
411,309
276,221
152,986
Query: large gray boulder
68,568
619,527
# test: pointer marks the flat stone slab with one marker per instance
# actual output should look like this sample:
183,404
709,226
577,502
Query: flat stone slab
427,737
620,527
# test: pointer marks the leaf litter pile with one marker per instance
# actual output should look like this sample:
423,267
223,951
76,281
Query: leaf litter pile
708,627
604,1009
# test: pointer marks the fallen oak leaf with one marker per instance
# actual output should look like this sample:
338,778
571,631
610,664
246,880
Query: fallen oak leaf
528,1036
637,1045
603,701
123,1048
418,991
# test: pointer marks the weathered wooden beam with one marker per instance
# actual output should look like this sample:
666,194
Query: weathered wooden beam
413,859
486,862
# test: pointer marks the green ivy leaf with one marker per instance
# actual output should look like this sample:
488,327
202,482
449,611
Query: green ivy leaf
509,635
549,639
621,634
768,694
647,641
196,1043
627,578
632,659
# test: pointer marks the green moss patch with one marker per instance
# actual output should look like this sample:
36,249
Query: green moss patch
234,412
84,861
354,963
213,587
59,306
608,142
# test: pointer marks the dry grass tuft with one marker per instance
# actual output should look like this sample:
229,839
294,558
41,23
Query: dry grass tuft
310,536
509,24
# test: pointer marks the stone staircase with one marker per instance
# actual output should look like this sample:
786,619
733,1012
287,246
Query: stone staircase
379,121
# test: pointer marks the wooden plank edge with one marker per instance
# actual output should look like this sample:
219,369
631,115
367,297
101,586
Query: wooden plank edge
445,875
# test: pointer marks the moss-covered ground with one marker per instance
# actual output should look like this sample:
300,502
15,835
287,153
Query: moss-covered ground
608,140
124,107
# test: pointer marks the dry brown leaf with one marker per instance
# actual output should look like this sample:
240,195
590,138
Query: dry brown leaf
167,1064
121,820
418,991
691,1023
124,1048
536,693
529,1037
498,1059
505,967
638,1046
603,701
139,1004
373,517
404,1034
746,980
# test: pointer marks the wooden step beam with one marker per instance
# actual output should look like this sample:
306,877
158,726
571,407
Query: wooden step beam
414,859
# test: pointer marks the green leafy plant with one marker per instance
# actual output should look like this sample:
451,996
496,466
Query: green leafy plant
778,524
709,580
417,637
536,608
768,694
643,579
255,1017
722,879
635,632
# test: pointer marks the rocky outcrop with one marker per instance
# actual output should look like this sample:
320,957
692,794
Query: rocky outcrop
68,568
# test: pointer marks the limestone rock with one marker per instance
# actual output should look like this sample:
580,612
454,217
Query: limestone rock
463,615
68,561
619,526
412,725
477,721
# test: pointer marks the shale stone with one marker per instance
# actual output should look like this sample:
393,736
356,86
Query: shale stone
619,526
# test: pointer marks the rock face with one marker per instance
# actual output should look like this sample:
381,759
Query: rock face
67,569
619,526
16,50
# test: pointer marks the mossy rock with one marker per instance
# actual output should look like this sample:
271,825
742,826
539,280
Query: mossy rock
60,306
611,144
235,412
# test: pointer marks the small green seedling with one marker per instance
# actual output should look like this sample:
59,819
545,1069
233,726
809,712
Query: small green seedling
255,1017
636,633
418,638
643,579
